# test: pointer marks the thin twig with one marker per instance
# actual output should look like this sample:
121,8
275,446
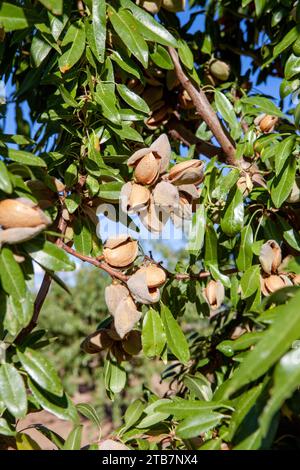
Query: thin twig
205,111
88,259
123,277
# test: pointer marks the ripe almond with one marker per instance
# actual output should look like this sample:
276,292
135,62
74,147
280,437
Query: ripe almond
21,213
155,276
121,251
147,169
270,256
189,172
214,293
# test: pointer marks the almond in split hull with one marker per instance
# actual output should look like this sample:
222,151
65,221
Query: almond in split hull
120,252
155,276
11,236
270,256
114,294
273,283
126,316
132,344
141,292
189,172
21,213
214,293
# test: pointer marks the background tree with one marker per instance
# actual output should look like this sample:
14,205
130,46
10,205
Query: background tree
115,95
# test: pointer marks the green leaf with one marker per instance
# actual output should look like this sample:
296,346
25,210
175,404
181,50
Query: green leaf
151,420
292,67
245,255
73,45
211,245
12,277
12,390
73,441
199,386
198,423
286,42
67,97
283,152
153,334
286,329
148,26
286,380
226,110
162,58
13,17
25,442
197,231
125,26
185,54
259,6
175,337
132,99
229,347
82,237
62,407
181,408
211,444
55,6
233,215
39,50
55,438
26,158
291,236
5,183
41,370
105,96
117,378
250,281
283,182
110,191
99,27
132,414
50,256
126,64
6,429
87,410
72,202
263,105
18,313
243,406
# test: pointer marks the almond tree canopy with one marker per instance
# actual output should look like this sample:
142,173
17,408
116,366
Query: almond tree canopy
158,115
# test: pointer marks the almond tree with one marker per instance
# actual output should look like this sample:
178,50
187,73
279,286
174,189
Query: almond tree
133,109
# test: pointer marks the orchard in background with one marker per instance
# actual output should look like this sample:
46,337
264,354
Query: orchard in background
145,117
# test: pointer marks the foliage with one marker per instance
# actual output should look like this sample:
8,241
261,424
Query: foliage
103,80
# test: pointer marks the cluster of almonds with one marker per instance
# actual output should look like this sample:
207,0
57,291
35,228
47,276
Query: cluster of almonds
142,287
274,275
153,6
156,195
21,219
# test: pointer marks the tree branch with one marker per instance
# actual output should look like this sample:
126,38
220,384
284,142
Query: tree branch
42,293
205,111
